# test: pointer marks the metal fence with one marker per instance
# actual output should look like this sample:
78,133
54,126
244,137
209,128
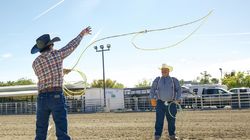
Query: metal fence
232,101
73,106
137,104
17,108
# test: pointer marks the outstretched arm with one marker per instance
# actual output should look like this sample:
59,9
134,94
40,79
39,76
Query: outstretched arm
71,46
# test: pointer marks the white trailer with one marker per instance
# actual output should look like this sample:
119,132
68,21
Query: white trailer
95,97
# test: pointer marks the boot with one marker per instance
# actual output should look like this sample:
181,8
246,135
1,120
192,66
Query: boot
157,137
173,137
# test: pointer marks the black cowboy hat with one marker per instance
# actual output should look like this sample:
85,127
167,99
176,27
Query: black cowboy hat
43,42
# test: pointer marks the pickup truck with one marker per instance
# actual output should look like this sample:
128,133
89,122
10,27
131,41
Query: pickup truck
210,97
216,97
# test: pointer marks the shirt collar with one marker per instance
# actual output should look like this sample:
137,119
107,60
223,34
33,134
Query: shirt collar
165,76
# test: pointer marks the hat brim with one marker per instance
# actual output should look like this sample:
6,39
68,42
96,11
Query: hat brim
35,49
169,67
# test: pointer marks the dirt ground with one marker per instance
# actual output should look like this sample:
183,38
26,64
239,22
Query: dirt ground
191,125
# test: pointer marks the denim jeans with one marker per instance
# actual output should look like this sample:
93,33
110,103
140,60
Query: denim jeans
51,103
161,112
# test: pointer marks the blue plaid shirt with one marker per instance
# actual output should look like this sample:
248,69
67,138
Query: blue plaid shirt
166,89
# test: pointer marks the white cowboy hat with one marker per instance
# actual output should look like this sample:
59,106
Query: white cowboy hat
165,66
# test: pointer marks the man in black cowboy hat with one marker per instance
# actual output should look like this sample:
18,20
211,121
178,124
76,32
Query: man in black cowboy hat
48,67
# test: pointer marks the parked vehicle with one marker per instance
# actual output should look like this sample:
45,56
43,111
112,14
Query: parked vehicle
200,96
240,97
216,97
198,89
187,97
240,90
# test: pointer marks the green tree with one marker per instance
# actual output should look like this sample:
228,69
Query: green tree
21,81
24,81
236,79
143,83
214,81
108,84
205,78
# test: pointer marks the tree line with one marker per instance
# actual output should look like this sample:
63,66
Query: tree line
21,81
231,80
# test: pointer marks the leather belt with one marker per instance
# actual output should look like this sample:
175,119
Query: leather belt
166,101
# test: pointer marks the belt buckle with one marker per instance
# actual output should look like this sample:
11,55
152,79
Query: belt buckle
166,103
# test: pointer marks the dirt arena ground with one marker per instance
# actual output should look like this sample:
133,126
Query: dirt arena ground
191,125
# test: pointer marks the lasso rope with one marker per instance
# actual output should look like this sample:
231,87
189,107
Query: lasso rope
178,106
203,19
80,92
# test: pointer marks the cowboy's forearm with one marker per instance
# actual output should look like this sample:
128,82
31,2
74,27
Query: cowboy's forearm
71,46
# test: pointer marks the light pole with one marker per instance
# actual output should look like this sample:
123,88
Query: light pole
103,67
220,74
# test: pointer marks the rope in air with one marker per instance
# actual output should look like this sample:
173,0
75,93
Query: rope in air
203,19
136,34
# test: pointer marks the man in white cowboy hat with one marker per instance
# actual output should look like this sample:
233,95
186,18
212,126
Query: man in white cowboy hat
48,67
165,91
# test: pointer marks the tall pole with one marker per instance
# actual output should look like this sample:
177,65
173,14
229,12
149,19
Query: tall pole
103,68
103,75
220,74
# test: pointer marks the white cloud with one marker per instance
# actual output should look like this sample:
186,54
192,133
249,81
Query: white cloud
6,55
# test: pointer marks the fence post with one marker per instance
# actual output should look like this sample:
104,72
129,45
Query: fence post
239,103
21,107
107,105
201,102
16,107
1,108
83,104
26,107
6,108
136,103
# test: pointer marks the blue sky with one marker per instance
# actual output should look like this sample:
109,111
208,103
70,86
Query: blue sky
222,42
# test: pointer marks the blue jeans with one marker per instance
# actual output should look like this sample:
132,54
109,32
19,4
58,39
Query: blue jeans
47,103
161,111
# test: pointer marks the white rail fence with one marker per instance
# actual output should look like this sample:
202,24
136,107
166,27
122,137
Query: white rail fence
234,101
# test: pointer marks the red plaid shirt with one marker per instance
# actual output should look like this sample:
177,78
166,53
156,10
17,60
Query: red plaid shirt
48,66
